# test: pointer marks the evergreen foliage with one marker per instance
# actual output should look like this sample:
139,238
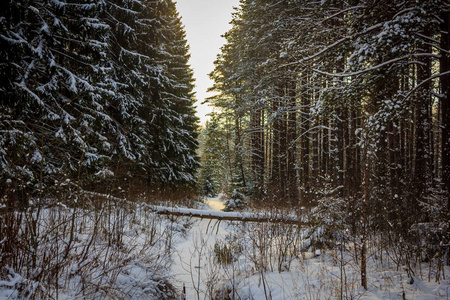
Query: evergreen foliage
214,154
97,93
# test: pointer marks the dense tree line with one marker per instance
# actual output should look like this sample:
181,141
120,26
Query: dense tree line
96,94
341,100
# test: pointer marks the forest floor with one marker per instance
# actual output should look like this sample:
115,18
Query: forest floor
210,258
200,266
193,253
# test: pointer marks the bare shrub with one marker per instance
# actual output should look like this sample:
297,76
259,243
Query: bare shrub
117,251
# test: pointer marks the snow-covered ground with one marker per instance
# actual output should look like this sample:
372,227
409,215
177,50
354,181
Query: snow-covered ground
212,259
320,278
121,254
192,257
330,274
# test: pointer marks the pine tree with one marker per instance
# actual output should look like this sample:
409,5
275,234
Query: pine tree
445,106
347,90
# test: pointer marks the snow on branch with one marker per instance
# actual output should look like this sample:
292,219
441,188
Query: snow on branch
425,81
391,61
23,87
335,44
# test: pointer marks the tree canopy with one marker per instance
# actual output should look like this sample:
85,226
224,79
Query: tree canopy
97,93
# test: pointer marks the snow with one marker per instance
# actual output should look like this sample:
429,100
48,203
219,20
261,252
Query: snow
314,274
134,270
318,279
37,157
104,173
192,258
197,245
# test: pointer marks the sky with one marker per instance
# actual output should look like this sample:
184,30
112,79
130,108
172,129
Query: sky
205,21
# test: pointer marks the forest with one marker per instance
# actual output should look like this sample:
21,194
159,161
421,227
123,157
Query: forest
319,101
333,114
337,106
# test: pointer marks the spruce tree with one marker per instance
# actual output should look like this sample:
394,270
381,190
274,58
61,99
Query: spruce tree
178,132
95,92
214,156
53,122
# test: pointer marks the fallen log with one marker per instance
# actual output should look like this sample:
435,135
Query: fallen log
230,216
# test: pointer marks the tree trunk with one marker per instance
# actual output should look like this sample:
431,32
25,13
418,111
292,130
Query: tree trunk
239,163
291,142
357,170
340,136
445,106
325,152
283,144
363,233
257,151
305,119
423,100
275,172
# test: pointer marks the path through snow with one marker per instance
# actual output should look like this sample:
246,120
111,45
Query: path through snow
192,259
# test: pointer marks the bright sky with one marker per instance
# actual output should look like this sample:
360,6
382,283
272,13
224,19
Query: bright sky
205,21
